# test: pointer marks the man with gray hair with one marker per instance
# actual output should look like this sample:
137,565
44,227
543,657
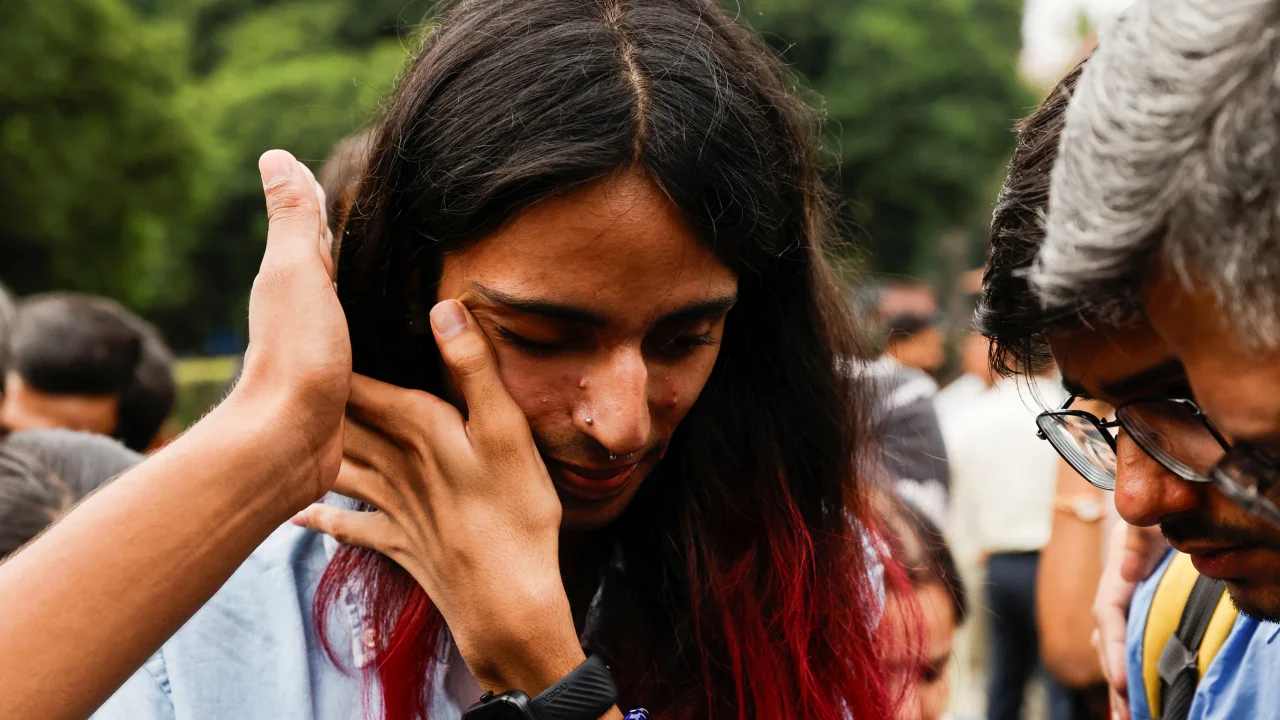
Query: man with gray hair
1165,205
1157,450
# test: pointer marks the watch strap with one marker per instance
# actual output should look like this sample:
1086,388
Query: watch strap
584,694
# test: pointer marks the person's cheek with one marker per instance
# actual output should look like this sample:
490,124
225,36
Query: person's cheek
933,698
541,387
675,388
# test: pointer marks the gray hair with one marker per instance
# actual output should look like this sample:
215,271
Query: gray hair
1171,151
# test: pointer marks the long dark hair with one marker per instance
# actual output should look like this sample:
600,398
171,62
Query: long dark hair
747,591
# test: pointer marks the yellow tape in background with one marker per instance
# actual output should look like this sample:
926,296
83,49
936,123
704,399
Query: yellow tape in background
198,370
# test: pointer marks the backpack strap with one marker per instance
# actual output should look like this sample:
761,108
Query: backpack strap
1180,659
1189,620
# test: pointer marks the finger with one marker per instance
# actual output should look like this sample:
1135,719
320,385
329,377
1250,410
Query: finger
362,482
293,211
326,237
1095,639
402,416
370,447
1119,706
372,530
474,369
1115,660
1144,549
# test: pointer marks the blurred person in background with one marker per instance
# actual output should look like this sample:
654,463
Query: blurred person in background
86,363
7,313
1003,479
1184,652
915,334
935,594
43,473
906,421
974,355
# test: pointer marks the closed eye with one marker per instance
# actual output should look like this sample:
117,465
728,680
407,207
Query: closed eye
681,344
532,347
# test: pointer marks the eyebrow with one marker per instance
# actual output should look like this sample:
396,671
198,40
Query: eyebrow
569,313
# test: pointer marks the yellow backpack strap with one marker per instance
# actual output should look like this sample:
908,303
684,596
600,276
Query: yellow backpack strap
1163,617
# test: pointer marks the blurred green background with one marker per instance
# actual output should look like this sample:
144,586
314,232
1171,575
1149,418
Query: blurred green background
129,132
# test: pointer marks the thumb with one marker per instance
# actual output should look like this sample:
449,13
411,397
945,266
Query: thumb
472,366
295,218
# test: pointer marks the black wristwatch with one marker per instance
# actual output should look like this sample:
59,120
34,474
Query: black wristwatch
584,694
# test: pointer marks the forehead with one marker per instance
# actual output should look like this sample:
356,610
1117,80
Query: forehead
618,246
1094,357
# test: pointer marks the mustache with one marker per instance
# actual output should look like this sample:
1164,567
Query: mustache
1190,529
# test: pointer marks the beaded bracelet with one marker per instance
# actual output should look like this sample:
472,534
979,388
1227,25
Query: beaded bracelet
637,714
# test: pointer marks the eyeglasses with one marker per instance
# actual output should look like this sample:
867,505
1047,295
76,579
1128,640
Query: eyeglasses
1176,434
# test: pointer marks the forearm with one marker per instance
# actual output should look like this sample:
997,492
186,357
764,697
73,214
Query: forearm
87,603
1070,567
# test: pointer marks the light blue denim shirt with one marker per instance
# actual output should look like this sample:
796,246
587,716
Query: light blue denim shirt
253,652
1243,681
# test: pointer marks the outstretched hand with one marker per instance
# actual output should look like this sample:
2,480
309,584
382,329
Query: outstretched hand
297,368
465,505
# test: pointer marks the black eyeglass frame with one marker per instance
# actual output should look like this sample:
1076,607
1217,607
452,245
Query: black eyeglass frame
1244,458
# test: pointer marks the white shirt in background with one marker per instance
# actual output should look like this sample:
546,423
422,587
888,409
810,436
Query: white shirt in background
1003,477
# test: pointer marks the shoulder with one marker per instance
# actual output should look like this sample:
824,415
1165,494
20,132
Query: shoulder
1240,680
253,650
83,460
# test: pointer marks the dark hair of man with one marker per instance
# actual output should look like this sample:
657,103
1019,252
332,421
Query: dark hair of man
71,344
747,590
1009,313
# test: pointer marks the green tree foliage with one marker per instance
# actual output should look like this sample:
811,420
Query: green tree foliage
130,129
96,163
284,79
920,98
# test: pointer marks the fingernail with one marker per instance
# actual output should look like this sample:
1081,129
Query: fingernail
447,318
276,166
300,518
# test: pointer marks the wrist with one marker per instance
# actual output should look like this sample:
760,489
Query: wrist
1085,507
278,454
528,648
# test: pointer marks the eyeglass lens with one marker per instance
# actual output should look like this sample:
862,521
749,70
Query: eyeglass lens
1174,435
1081,443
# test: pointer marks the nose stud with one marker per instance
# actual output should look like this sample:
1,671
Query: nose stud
588,421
